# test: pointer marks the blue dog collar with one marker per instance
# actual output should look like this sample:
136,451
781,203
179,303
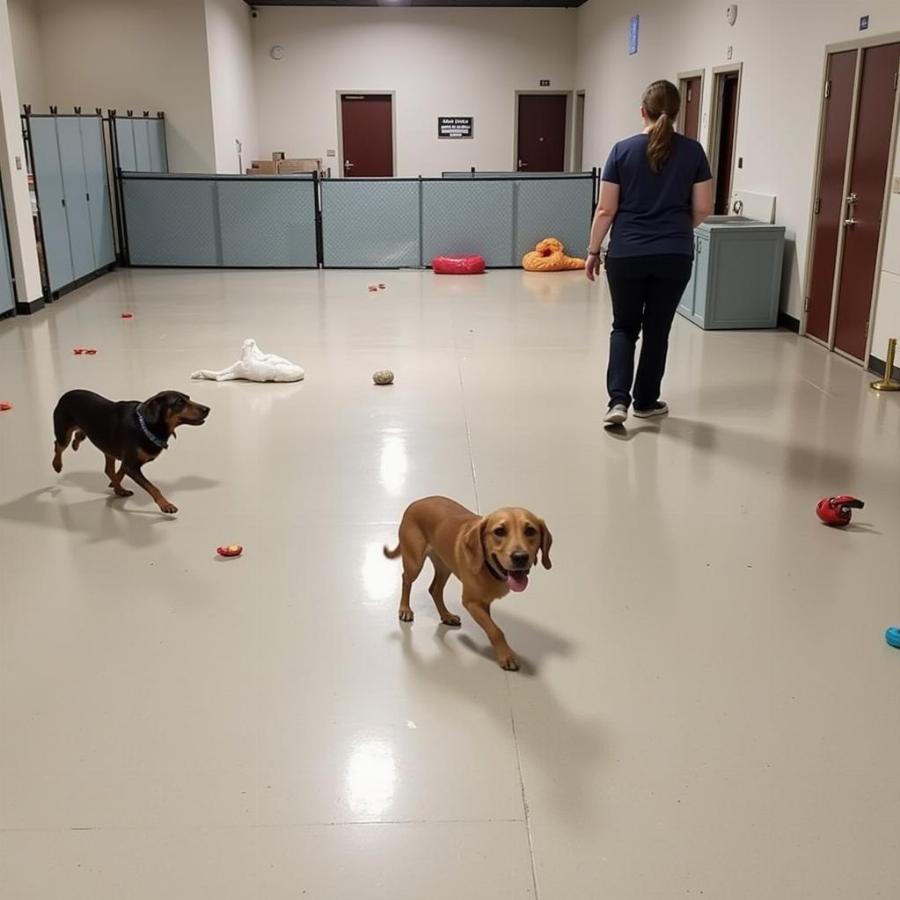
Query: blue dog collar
148,433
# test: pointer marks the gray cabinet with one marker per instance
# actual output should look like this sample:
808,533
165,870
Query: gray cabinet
736,279
7,297
73,196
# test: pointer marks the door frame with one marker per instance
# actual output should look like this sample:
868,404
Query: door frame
714,113
684,76
567,147
858,45
576,135
340,125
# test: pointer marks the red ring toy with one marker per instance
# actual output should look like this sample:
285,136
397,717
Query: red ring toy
230,550
458,265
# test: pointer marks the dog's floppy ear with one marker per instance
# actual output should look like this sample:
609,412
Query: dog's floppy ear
473,546
546,543
153,409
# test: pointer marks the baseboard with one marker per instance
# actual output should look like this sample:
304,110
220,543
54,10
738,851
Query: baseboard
788,322
876,365
28,309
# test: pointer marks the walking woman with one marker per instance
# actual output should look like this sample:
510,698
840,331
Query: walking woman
655,187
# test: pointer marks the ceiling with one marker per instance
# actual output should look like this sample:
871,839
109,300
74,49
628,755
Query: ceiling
532,3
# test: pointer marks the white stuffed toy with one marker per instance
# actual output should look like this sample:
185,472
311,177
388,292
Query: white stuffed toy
254,365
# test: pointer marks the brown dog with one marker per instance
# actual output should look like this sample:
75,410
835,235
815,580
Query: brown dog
491,555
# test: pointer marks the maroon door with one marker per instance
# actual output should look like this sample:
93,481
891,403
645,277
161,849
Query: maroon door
865,200
542,133
690,104
725,152
829,202
368,135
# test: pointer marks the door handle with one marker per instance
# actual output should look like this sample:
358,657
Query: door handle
522,164
348,164
849,222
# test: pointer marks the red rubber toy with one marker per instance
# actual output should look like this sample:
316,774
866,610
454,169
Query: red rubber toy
230,550
458,265
4,406
836,511
127,315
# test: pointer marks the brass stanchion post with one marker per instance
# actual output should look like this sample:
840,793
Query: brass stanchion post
887,383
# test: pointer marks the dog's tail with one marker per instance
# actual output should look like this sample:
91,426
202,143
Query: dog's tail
392,554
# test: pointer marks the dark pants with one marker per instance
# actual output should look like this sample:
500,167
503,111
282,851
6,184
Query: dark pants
645,292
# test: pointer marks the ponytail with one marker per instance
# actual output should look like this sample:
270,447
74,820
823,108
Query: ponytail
659,147
660,103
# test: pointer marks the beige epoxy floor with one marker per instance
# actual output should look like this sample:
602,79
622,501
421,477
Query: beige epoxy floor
709,707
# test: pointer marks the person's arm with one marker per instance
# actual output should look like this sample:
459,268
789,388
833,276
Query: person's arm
701,201
603,219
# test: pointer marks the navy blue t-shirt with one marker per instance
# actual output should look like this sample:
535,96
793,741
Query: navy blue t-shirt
654,214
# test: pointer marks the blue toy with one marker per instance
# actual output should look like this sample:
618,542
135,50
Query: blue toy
892,636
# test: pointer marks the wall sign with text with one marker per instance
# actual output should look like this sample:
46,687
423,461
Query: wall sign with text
456,126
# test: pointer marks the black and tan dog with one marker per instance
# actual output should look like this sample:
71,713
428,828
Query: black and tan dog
132,432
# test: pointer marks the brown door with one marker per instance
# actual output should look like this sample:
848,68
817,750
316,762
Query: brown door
690,105
368,135
865,199
541,143
829,202
727,122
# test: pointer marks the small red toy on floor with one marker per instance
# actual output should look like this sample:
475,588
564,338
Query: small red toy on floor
837,511
230,550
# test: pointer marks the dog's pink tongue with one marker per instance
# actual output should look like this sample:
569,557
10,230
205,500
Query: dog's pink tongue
517,581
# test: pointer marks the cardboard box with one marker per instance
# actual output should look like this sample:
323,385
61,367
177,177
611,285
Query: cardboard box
277,157
263,167
299,166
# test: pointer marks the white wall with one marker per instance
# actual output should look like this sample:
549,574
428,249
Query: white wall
231,78
13,172
24,22
887,313
450,62
134,54
782,47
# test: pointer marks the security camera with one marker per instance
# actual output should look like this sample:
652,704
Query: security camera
254,12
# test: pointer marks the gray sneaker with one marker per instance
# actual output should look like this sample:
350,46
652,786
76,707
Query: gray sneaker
658,409
616,415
